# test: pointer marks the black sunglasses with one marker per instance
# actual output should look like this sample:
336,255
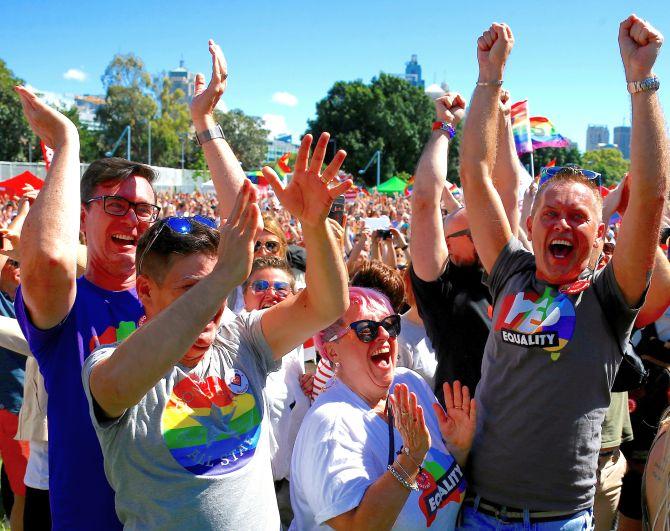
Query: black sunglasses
178,224
367,330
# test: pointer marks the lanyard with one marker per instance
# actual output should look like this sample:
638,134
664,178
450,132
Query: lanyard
389,416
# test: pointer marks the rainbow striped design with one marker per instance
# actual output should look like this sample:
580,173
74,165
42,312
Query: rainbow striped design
208,429
543,134
521,127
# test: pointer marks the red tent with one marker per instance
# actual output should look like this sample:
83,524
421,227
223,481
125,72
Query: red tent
14,186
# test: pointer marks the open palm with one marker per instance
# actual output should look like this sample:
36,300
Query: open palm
308,196
458,423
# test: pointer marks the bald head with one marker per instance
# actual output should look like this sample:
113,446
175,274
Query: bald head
461,248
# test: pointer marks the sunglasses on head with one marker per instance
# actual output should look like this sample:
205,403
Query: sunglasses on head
178,225
270,246
367,330
548,172
280,287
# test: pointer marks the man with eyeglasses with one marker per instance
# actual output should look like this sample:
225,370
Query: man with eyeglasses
558,328
446,273
65,318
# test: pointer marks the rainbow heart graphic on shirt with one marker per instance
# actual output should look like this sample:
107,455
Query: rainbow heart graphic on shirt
441,483
212,427
546,321
112,334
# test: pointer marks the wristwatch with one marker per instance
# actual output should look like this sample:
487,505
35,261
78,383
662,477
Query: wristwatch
650,84
444,126
209,134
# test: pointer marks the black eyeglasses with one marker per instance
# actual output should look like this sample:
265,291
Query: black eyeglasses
270,246
367,330
464,232
548,172
178,224
115,205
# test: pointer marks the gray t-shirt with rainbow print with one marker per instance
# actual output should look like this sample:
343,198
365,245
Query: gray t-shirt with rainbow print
194,453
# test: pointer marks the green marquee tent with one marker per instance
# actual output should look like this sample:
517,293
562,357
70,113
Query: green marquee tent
395,185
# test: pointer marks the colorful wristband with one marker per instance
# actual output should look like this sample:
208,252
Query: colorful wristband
444,126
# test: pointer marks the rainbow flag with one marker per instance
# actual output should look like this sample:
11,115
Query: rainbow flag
543,134
521,127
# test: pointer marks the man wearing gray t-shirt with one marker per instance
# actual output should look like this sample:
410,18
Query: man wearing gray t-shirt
178,406
557,328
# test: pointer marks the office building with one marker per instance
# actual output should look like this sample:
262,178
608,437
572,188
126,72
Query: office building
596,135
622,139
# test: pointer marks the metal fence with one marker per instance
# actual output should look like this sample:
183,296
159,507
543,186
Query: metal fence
168,178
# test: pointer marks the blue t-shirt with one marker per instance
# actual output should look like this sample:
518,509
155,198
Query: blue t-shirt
12,367
79,493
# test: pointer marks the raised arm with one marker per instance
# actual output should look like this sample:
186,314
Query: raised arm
50,232
429,251
488,222
120,381
325,298
633,258
508,169
226,170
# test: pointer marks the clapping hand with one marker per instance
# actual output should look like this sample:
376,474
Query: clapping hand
458,423
52,127
409,420
639,43
493,48
308,196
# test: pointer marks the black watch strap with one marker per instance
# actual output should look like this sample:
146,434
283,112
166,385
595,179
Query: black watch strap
209,134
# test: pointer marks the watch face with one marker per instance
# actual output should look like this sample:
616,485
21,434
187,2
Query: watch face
650,83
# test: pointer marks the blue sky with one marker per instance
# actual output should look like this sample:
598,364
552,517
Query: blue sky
565,62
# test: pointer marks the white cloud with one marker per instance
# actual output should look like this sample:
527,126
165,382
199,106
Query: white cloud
276,124
221,106
285,98
75,75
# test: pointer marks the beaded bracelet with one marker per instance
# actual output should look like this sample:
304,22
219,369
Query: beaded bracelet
403,481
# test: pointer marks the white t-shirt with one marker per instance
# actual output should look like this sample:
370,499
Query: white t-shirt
415,350
287,406
342,449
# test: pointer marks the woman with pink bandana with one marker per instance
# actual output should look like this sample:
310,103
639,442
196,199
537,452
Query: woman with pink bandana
376,451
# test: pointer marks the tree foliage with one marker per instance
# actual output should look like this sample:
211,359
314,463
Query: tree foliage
389,114
245,136
608,162
13,128
542,157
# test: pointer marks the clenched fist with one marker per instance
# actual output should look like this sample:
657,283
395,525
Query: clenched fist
450,108
639,43
493,48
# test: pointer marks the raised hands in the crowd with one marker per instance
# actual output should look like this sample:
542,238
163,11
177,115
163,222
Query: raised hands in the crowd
408,416
206,98
308,196
458,421
54,128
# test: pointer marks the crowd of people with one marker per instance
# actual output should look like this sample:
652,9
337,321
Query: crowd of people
295,361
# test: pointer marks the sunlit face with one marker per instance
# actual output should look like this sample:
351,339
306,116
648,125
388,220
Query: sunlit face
185,272
564,231
267,244
112,240
367,368
259,300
